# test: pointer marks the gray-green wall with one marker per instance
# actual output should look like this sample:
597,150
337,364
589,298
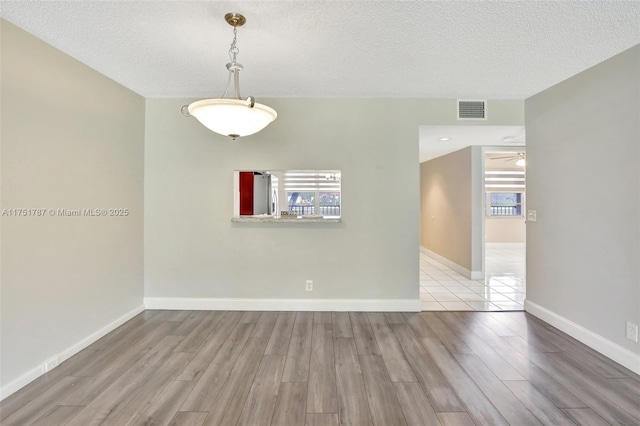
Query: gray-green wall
193,250
583,179
71,139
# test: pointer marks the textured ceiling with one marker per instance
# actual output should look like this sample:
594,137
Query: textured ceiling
449,49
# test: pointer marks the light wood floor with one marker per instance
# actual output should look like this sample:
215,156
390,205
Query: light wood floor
305,368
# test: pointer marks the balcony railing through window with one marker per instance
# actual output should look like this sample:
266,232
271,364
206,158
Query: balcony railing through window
307,209
505,211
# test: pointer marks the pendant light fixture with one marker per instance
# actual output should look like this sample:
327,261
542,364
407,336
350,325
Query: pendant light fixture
234,117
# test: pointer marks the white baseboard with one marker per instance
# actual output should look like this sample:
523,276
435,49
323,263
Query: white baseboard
506,245
211,304
39,370
471,275
600,344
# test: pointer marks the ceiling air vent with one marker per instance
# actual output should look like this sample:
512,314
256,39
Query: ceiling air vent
472,109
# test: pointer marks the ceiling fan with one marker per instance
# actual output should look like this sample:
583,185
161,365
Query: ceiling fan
516,156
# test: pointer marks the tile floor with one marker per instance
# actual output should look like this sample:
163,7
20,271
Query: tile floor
503,289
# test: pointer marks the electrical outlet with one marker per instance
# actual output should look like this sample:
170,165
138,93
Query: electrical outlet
632,331
309,285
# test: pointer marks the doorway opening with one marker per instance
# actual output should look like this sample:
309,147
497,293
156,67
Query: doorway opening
469,259
505,227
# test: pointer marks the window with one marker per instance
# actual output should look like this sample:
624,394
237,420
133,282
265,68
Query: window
301,202
330,203
314,192
504,203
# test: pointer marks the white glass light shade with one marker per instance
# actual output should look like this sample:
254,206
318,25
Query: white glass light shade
232,117
520,162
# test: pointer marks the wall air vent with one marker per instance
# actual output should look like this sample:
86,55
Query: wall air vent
472,109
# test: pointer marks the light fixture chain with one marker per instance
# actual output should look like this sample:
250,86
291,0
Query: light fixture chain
233,50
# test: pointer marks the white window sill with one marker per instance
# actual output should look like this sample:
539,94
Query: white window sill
283,219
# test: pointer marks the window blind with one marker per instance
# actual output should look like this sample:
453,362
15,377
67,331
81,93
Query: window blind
325,181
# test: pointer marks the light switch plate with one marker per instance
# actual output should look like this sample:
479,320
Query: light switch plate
531,215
